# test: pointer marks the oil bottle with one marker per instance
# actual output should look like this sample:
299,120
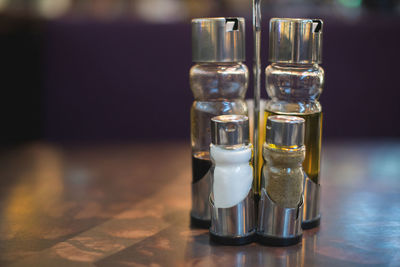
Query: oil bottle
219,82
294,82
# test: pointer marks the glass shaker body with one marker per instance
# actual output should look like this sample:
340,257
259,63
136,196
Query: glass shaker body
294,90
282,174
218,89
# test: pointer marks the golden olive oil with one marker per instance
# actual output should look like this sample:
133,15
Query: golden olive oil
312,141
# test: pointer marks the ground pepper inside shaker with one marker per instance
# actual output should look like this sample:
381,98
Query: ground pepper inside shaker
284,154
285,179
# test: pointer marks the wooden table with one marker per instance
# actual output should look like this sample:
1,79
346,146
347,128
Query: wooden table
128,205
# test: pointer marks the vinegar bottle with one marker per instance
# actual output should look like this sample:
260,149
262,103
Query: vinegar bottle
294,83
219,83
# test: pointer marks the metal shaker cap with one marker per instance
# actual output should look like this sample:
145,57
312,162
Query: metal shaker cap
295,40
285,130
230,130
218,40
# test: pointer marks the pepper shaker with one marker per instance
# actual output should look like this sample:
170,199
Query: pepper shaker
281,200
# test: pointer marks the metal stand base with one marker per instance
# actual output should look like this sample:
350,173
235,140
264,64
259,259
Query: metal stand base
311,224
235,225
278,241
233,241
278,226
311,216
199,223
201,211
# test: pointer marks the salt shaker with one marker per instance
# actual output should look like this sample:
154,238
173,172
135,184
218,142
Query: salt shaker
218,81
281,200
231,198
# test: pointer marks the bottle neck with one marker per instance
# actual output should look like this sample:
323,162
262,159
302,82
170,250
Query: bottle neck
219,81
284,107
294,65
294,88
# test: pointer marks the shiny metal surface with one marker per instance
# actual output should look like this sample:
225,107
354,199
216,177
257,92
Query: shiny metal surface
257,19
276,221
285,130
295,40
200,193
228,130
237,221
218,40
312,199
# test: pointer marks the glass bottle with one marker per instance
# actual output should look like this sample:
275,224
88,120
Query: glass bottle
294,82
219,83
231,199
281,200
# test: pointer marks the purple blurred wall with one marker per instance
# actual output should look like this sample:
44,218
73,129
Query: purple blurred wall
121,81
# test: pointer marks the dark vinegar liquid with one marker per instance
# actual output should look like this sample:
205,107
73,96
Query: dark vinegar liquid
201,164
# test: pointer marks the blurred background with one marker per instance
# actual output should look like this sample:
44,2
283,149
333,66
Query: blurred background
78,71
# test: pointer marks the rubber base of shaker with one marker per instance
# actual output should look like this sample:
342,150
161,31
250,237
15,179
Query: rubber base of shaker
232,241
278,241
306,225
199,223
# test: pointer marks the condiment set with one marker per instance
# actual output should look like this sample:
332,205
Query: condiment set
274,201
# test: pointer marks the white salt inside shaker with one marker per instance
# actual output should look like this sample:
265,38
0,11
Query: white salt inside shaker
233,175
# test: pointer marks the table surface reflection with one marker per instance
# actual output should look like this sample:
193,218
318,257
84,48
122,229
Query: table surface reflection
128,205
